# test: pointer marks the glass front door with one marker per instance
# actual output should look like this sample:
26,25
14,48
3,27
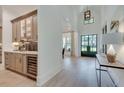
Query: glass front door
89,45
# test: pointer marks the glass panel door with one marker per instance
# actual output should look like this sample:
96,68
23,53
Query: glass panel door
23,29
29,28
88,45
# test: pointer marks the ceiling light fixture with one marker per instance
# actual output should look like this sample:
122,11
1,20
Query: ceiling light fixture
88,19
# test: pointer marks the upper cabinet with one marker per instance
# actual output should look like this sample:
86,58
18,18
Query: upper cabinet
25,27
29,26
35,33
22,29
0,34
14,27
18,30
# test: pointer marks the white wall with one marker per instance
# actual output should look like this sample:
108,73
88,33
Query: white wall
50,42
76,41
75,44
114,13
7,29
51,25
94,28
7,33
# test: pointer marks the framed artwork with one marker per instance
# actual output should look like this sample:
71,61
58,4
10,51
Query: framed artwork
114,25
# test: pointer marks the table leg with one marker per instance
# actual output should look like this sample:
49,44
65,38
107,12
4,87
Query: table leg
96,72
100,76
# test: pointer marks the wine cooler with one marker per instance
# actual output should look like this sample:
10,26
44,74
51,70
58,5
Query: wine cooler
32,66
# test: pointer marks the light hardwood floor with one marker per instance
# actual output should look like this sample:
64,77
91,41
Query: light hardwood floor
78,72
11,79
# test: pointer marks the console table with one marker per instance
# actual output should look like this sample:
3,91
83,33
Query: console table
102,61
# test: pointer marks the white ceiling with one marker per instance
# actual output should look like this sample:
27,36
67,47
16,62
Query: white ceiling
17,9
85,7
20,9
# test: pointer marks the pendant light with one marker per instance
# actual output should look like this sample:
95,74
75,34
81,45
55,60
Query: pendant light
88,19
87,14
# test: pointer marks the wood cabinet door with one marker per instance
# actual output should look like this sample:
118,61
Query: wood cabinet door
14,28
7,61
24,63
34,31
12,60
18,31
23,29
19,63
0,34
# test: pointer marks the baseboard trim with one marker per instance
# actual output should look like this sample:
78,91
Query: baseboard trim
41,80
2,67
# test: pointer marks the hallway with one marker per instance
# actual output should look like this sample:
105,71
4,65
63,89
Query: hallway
78,72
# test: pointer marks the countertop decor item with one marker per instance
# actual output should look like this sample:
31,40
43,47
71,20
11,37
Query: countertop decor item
15,45
111,58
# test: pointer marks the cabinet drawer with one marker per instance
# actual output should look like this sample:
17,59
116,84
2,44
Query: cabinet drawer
7,60
19,63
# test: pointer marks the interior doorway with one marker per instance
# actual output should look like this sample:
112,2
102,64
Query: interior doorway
89,45
67,43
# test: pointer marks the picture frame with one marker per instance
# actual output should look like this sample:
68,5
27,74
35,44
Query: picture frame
114,25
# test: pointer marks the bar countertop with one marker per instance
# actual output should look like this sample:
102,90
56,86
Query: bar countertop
24,52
